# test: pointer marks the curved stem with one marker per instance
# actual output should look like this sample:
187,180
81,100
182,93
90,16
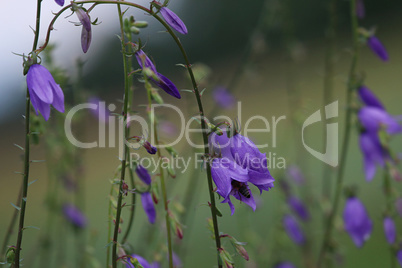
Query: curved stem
340,176
125,133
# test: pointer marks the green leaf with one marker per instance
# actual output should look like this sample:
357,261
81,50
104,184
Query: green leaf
16,207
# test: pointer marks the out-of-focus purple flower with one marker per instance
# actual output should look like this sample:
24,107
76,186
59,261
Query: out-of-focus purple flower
163,82
44,91
295,173
356,221
231,179
223,97
398,206
148,206
176,260
299,208
143,174
293,229
141,261
284,264
86,32
101,112
389,230
368,98
377,47
373,154
74,215
60,2
360,10
399,257
374,119
168,128
173,20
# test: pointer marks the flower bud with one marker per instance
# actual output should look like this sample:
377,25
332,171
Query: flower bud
10,254
141,24
155,96
134,30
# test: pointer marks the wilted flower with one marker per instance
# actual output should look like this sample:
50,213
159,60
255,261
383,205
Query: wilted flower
44,91
360,10
368,97
86,32
298,207
74,215
284,264
173,20
148,206
377,47
101,112
293,229
223,97
162,82
143,174
356,221
60,2
389,230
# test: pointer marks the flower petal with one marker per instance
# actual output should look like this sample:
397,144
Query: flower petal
44,108
377,47
148,206
38,79
168,86
173,20
86,38
58,97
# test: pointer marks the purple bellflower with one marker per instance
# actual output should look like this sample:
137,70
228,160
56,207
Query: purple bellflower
368,98
223,97
389,230
143,174
299,208
149,147
356,221
162,82
74,215
373,154
101,112
44,91
59,2
293,229
142,261
284,264
377,47
173,20
148,206
86,32
360,10
374,119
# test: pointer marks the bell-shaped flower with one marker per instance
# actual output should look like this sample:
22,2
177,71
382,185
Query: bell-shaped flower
74,215
368,98
377,47
389,230
299,208
143,174
293,229
374,119
44,91
356,221
86,32
373,154
173,20
163,82
148,206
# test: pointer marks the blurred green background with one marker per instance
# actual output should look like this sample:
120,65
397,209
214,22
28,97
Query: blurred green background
271,55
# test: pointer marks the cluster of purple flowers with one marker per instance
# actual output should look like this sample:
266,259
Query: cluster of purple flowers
239,163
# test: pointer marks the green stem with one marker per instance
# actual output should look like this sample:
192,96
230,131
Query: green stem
109,227
387,188
125,131
340,176
132,208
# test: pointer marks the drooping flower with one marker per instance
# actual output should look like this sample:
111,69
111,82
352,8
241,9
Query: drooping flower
360,10
368,98
377,47
101,112
374,119
373,154
389,230
231,179
148,206
86,32
163,82
293,229
299,208
356,221
60,2
223,97
143,174
44,91
284,264
173,20
74,215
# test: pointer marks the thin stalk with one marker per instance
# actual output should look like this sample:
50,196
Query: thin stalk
387,188
27,149
132,208
346,137
125,131
109,228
